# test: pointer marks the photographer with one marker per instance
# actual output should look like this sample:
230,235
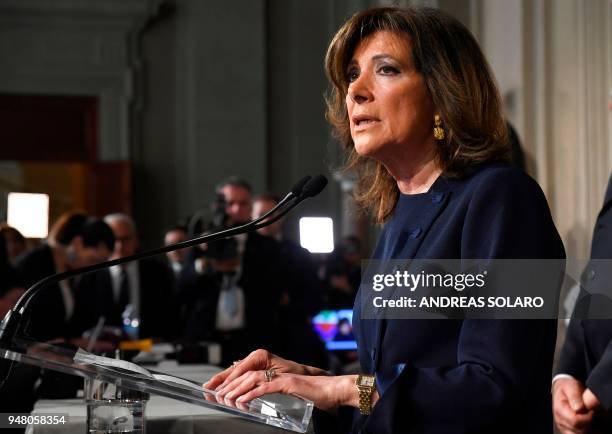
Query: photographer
232,291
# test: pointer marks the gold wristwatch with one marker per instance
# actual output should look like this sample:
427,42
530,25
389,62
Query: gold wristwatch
366,387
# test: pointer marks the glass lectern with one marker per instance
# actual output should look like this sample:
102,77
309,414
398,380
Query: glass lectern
283,411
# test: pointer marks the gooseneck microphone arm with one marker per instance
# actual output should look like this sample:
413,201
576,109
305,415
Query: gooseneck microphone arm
302,190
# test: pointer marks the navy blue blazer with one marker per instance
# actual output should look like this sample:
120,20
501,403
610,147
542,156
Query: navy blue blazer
464,376
587,351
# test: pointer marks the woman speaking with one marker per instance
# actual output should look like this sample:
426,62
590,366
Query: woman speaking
415,104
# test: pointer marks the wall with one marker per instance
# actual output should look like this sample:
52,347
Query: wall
71,47
205,112
553,63
243,94
553,58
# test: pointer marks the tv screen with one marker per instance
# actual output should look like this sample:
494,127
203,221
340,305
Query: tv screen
335,327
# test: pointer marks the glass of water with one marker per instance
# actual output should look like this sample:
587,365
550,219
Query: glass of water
113,409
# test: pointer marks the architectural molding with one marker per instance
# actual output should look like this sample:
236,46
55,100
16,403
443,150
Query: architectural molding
75,47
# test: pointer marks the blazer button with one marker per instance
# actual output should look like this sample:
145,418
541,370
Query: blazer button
415,233
437,197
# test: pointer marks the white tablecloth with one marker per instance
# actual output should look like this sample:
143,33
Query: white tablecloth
163,415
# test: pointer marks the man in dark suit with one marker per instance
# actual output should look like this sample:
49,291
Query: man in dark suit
582,386
233,295
145,285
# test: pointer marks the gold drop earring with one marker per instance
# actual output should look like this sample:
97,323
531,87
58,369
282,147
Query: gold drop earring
438,130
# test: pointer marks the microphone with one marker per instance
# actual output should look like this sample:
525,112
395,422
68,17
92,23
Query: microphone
311,188
314,186
303,189
297,189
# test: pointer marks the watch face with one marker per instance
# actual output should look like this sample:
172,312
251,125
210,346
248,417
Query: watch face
366,380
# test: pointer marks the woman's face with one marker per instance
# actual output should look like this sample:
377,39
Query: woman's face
390,110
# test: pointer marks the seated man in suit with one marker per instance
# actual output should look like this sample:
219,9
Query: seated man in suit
582,386
145,285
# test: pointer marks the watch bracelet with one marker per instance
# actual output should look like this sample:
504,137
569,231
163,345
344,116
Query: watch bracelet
365,400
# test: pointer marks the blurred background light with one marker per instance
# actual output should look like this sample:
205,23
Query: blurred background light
29,214
317,234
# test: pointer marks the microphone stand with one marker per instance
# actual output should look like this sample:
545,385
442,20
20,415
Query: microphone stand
302,190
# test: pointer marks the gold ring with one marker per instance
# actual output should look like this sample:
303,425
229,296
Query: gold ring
236,363
270,374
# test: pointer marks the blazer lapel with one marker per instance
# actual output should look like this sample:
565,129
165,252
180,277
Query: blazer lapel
607,200
602,235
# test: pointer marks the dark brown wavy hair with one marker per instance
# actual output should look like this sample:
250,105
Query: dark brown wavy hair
458,79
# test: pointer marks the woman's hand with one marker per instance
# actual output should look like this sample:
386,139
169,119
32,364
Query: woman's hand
259,360
247,380
327,392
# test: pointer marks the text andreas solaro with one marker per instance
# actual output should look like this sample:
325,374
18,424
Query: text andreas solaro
454,289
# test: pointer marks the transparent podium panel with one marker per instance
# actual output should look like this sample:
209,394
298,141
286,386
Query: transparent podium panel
283,411
112,409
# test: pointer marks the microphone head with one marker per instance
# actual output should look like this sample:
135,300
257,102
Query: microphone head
314,186
297,188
